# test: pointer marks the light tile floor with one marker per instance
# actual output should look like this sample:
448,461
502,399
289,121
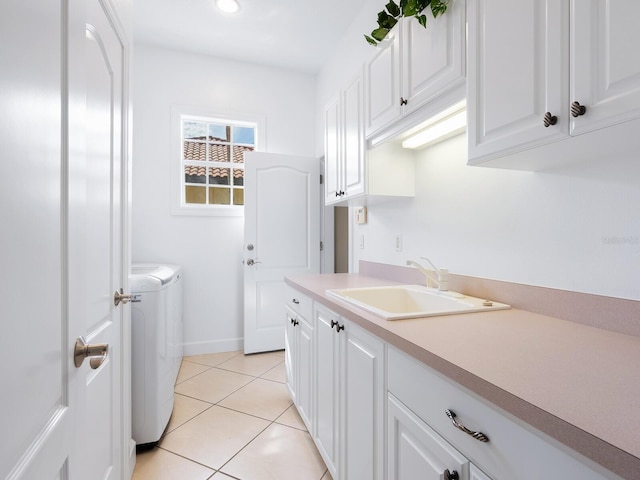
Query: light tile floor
233,419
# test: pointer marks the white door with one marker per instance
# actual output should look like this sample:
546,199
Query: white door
100,274
281,238
63,422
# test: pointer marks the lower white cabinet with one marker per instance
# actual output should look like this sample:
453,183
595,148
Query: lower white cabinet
349,397
513,451
299,356
376,413
415,450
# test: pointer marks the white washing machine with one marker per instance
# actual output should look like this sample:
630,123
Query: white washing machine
156,345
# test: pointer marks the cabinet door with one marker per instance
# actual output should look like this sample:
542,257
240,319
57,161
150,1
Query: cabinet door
326,391
363,391
382,77
332,152
605,62
518,71
290,353
353,153
433,58
415,450
476,474
305,373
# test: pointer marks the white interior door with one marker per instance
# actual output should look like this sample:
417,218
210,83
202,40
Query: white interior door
281,238
101,272
61,255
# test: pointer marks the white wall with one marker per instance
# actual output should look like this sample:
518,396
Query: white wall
208,248
576,228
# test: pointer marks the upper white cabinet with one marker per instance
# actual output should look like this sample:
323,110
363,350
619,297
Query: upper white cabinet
605,62
414,67
345,144
531,62
350,170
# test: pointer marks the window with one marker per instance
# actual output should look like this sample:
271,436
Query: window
211,160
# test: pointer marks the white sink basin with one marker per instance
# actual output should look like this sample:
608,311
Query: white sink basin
411,301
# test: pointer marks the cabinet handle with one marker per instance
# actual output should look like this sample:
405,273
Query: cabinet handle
340,327
451,475
549,119
297,302
333,323
477,435
403,101
577,109
295,322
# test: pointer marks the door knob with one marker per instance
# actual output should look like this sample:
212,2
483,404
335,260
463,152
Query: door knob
97,352
120,297
251,261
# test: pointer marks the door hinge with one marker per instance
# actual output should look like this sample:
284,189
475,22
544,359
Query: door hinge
321,246
321,179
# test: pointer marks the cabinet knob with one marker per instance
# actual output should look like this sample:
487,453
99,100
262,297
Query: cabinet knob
339,327
549,119
451,475
403,101
296,301
577,109
333,323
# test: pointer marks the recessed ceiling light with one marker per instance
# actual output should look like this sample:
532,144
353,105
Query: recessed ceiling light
228,6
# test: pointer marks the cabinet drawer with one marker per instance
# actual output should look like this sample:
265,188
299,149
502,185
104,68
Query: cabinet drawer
298,302
514,450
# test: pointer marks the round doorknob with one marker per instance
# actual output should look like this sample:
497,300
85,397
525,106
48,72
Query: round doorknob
549,119
577,109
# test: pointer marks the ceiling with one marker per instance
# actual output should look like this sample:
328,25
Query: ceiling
294,34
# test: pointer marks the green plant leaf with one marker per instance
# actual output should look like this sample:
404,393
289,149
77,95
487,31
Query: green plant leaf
380,33
438,8
393,9
386,21
410,8
370,40
422,19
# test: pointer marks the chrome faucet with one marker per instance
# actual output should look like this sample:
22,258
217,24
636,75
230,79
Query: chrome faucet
439,276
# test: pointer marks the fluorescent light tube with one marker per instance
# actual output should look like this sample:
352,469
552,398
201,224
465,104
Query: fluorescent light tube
439,131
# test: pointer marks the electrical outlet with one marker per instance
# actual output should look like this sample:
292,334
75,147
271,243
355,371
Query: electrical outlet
398,242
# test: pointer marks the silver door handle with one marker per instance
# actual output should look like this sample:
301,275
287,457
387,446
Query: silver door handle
120,297
96,352
251,261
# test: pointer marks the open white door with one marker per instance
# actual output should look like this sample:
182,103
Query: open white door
60,181
281,238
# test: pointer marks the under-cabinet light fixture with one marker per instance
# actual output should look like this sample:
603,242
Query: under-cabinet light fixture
228,6
438,130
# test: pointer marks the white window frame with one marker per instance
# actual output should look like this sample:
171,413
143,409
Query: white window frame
178,113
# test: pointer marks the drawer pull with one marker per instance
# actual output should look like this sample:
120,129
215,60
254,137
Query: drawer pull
297,302
477,435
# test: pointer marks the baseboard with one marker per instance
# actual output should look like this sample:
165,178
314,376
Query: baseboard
213,346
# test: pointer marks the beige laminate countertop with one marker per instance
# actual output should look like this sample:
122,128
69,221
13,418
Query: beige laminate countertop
578,384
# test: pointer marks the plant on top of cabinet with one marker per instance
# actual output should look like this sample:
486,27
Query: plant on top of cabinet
388,18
